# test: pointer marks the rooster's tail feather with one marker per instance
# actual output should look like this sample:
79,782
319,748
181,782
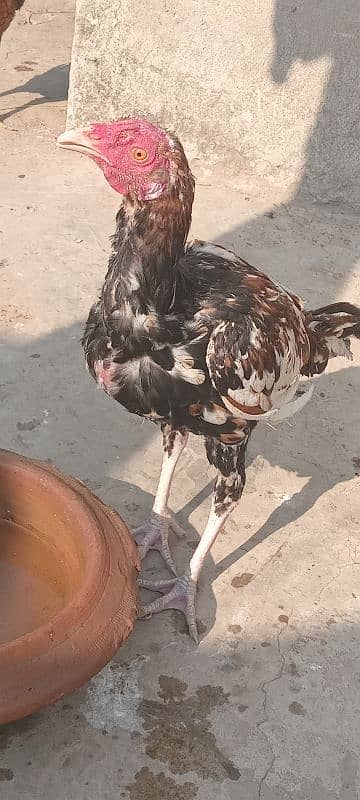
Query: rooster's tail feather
329,330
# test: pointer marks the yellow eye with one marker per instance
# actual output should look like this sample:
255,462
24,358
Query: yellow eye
139,154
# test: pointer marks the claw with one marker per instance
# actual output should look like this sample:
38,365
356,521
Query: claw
154,535
178,593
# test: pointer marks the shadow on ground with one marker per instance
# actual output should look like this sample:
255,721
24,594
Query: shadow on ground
52,86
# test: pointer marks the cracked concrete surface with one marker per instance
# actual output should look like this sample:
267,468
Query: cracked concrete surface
264,689
267,707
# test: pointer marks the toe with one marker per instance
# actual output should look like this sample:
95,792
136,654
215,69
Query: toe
164,549
140,534
163,586
193,631
190,616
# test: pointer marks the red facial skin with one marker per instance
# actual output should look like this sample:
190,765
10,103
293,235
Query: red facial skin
133,154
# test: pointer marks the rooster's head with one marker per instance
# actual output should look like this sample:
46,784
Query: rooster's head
136,157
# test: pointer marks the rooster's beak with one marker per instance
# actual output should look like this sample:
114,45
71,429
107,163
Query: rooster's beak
81,141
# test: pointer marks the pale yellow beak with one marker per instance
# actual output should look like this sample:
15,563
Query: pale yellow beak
80,141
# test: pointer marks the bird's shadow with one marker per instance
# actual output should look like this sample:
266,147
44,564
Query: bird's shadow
52,86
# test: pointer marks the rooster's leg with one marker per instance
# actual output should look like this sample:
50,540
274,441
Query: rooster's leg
153,534
179,593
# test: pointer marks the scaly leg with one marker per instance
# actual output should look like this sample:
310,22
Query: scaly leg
153,534
179,593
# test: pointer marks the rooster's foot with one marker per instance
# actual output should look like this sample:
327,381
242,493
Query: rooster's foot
178,593
154,535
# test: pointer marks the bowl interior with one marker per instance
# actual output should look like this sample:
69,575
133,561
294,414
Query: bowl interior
42,561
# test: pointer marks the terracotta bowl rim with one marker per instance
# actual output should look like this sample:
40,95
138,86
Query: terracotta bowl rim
94,551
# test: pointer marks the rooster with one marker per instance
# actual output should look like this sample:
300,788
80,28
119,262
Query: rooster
191,336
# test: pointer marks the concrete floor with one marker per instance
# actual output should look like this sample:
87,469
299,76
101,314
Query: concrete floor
267,707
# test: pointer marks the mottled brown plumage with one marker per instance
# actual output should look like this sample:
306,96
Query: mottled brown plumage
191,336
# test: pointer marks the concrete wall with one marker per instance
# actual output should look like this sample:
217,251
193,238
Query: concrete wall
265,88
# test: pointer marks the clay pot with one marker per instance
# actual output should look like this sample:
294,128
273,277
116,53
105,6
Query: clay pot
68,593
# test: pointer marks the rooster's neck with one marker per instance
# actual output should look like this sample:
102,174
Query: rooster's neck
149,239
